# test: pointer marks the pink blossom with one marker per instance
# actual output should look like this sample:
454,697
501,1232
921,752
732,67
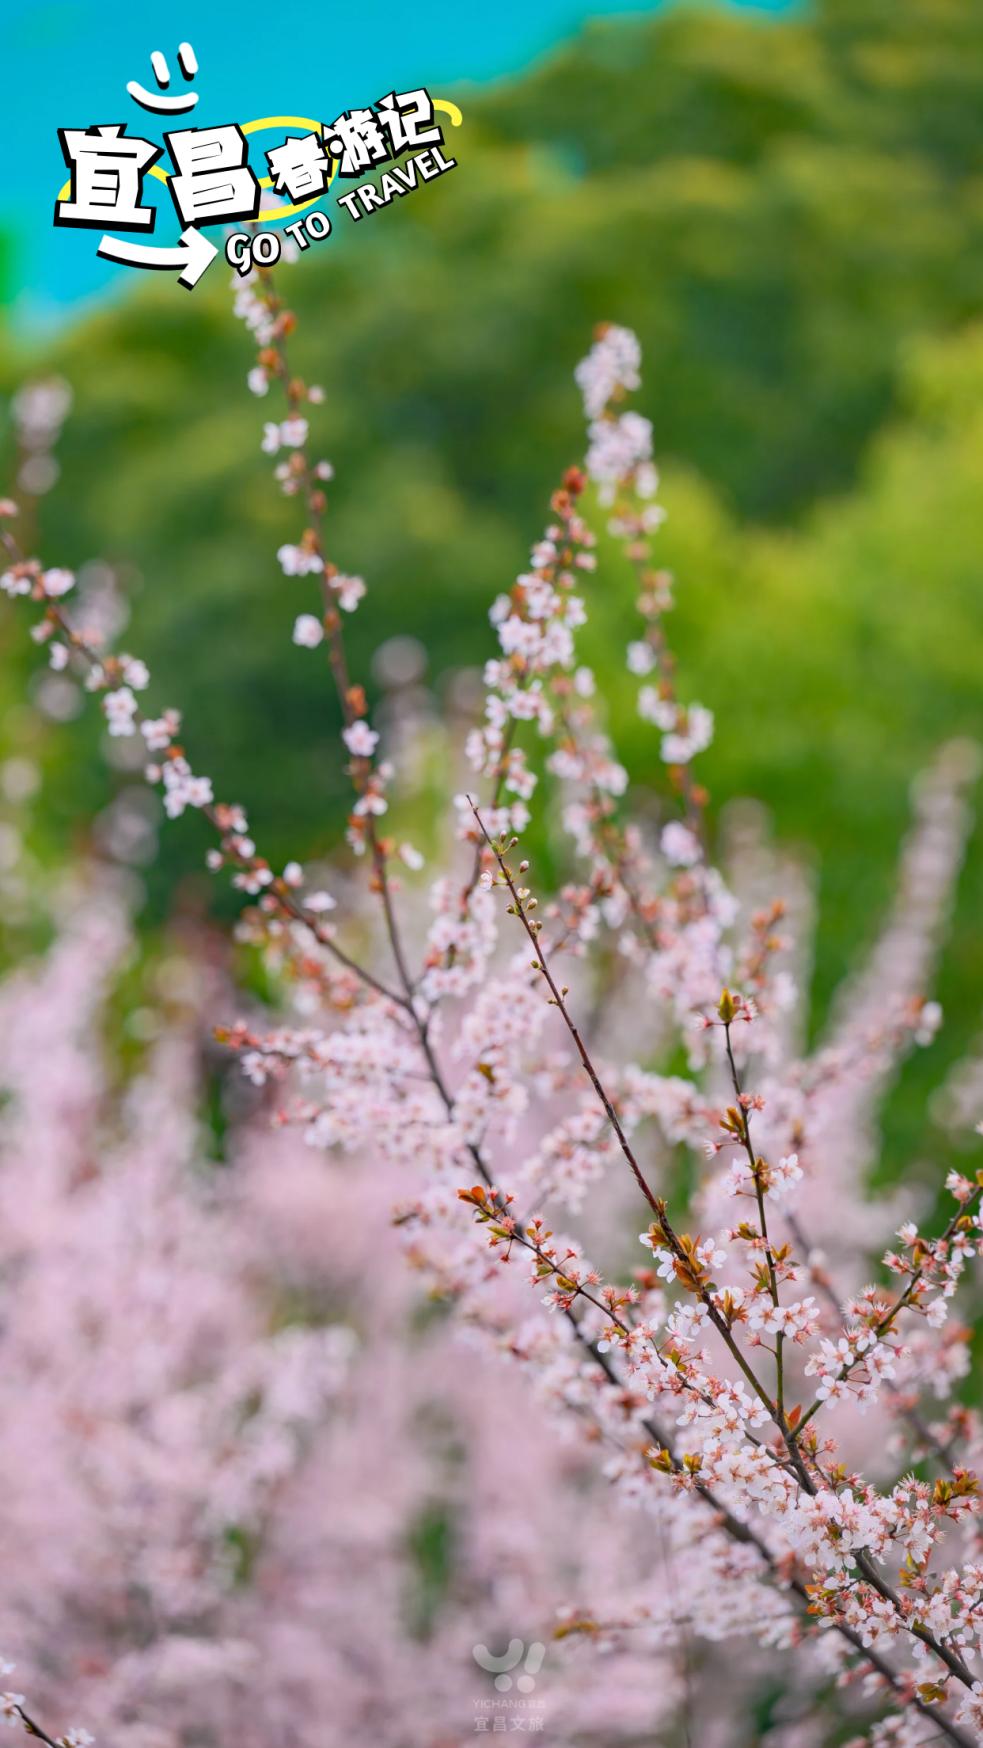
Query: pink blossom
360,739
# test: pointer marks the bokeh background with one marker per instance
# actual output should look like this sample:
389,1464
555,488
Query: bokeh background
785,202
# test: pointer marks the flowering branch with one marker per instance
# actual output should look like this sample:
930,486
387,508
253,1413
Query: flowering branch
766,1477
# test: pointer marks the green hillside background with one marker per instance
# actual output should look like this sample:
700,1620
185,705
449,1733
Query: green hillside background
790,213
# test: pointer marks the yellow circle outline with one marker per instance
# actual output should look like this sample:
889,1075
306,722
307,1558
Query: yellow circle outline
267,216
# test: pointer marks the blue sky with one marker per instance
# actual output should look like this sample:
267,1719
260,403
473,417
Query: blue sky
67,65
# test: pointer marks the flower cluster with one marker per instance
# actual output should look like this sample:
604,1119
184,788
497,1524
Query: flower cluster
746,1387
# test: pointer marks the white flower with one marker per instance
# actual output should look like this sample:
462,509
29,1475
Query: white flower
259,382
135,672
299,561
360,739
182,789
680,846
647,482
308,631
58,582
710,1255
656,709
641,658
411,857
695,735
293,433
319,901
349,591
971,1710
929,1021
612,364
617,446
785,1175
160,731
9,1704
120,709
271,438
293,874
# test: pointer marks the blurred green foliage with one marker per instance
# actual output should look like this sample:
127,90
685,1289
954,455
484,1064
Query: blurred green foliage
790,213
